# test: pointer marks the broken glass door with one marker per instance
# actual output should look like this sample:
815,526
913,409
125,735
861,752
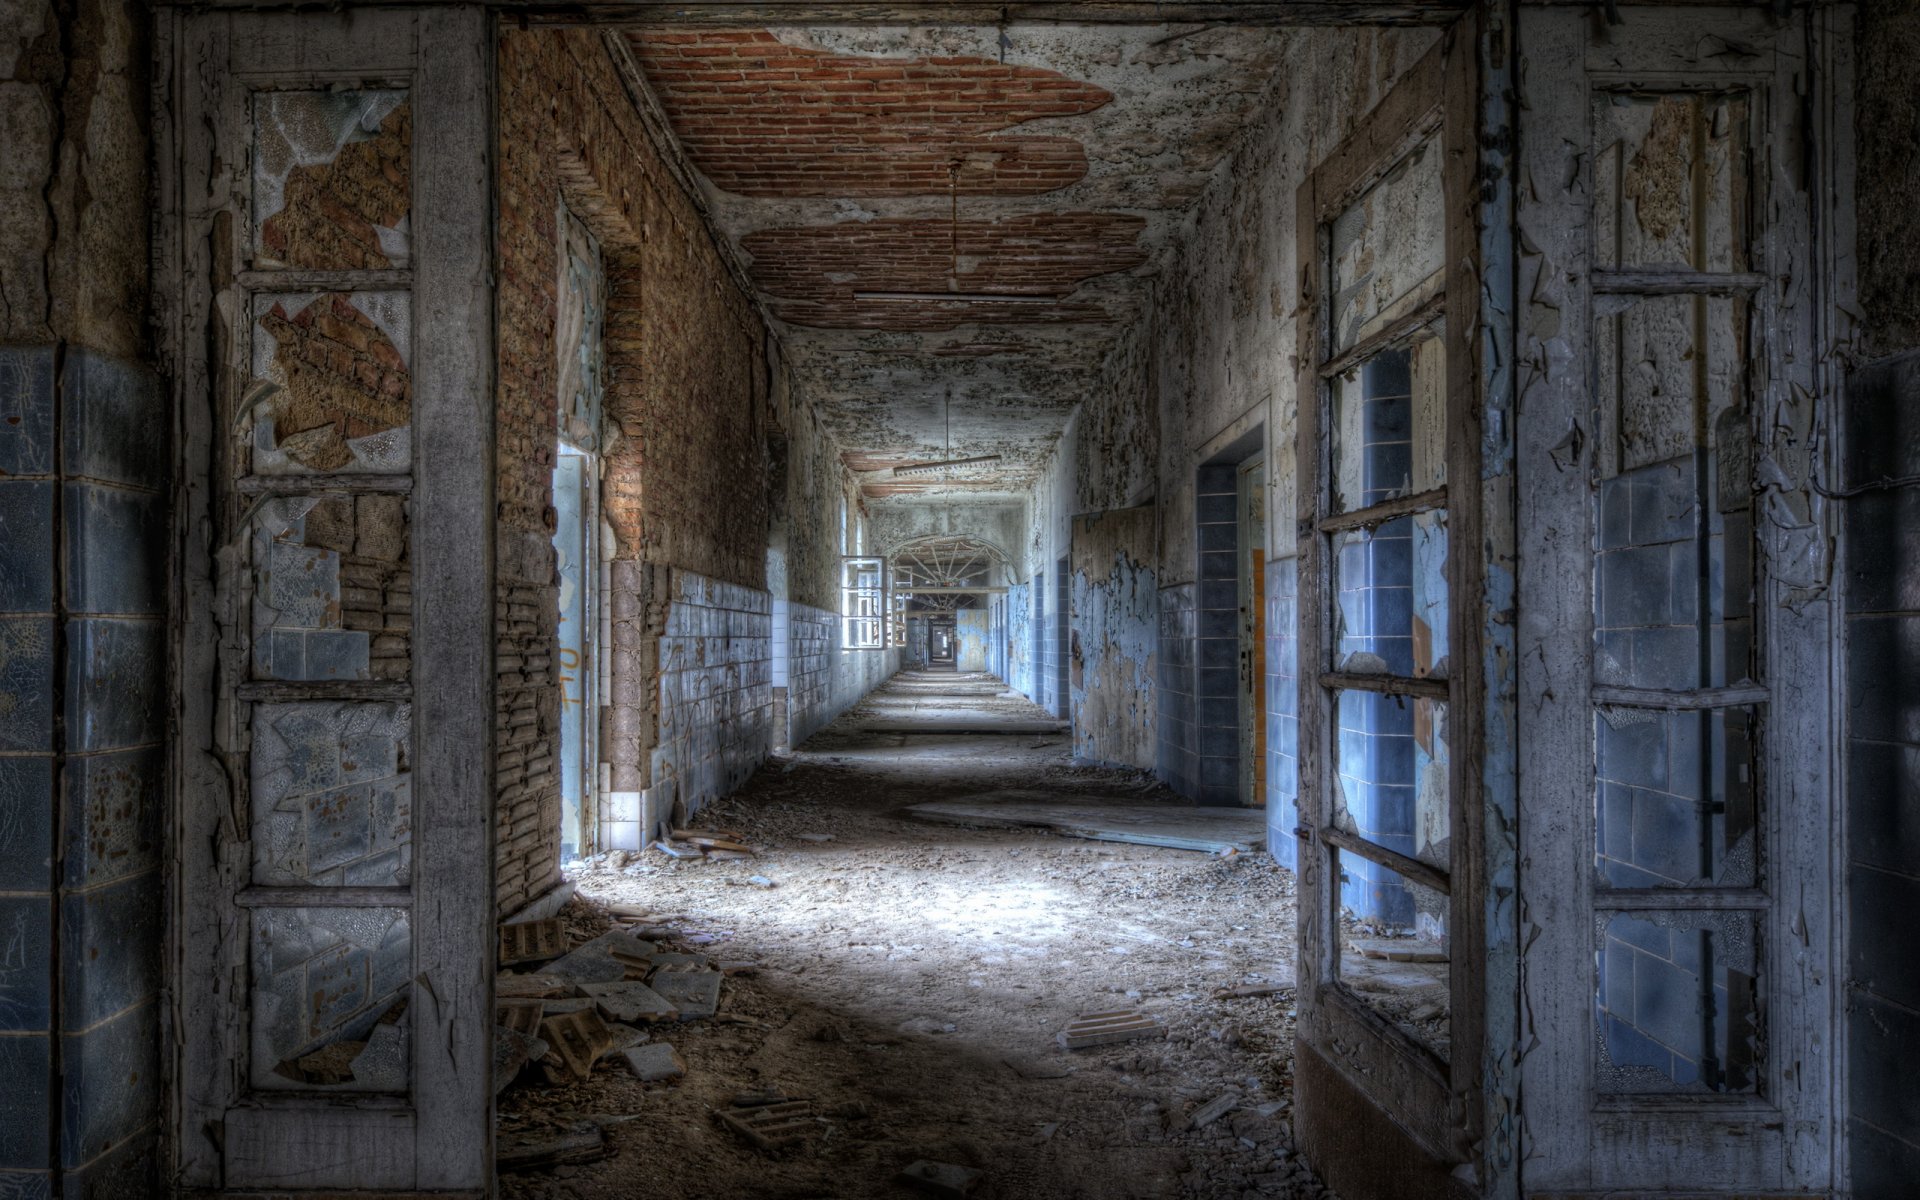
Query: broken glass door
1392,968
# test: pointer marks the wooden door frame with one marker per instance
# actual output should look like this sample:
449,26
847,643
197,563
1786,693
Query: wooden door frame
1785,1139
224,1136
1444,1106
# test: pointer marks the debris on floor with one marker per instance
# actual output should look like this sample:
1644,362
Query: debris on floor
1100,819
1102,1028
942,1179
899,997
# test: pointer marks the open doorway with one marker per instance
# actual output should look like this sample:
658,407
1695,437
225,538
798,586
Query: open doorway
581,373
940,643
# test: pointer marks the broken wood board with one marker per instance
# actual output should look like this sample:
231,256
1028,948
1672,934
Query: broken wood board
772,1126
519,1152
1101,1028
1408,950
1174,827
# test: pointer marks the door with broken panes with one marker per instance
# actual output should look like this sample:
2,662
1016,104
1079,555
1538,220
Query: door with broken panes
1392,952
1677,639
324,184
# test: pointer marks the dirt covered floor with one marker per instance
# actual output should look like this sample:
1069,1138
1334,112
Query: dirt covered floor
910,980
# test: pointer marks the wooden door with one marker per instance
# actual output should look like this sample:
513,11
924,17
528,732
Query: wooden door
1395,961
324,263
1677,748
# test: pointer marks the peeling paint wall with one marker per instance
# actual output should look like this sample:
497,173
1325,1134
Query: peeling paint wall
74,206
1112,657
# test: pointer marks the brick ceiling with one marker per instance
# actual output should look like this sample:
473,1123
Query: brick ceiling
1051,167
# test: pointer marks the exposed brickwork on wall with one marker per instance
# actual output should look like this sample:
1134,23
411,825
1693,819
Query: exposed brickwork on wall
684,484
331,210
766,119
344,379
526,726
814,271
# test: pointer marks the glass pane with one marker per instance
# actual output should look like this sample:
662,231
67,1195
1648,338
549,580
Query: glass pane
332,793
332,588
1670,181
1391,788
1391,582
342,394
1676,1006
330,998
1677,797
1674,573
1389,435
1393,949
331,173
1389,247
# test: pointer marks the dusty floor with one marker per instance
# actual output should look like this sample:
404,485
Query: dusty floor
910,979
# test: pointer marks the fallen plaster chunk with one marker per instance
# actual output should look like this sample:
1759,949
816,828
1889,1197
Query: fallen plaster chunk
629,1001
695,993
655,1062
942,1179
1212,1110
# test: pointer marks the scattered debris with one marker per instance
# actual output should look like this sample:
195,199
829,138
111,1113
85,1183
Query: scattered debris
942,1179
532,941
524,1151
576,1039
816,838
1212,1110
1407,950
772,1126
694,992
629,1001
522,1016
512,1051
760,881
1247,991
672,851
760,1096
654,1062
535,985
1120,1025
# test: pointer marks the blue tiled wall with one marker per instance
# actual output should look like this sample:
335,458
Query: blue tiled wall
1883,776
84,466
1283,711
1216,638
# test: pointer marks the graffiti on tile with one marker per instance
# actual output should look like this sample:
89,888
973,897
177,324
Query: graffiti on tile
330,179
332,794
332,588
332,390
330,990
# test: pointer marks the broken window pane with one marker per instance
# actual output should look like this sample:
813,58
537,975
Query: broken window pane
1670,180
1391,583
1391,788
332,793
1676,797
1676,1006
1666,369
1389,435
1393,947
1388,248
332,588
331,175
330,998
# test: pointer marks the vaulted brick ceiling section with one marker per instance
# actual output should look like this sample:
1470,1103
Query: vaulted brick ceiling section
1049,164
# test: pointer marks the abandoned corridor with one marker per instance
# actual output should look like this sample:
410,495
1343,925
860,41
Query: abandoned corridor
457,454
910,978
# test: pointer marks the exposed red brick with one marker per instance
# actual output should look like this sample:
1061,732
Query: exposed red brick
812,272
766,119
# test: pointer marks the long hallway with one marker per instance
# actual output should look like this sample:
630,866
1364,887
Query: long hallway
911,979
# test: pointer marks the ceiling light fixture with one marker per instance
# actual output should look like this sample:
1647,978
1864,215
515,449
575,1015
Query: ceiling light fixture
930,468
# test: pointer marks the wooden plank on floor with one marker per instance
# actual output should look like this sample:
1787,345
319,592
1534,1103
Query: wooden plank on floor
1176,827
